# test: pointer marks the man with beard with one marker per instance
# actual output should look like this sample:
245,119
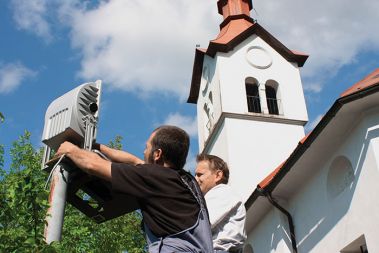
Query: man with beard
173,208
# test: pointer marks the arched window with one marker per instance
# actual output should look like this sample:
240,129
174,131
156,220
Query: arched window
252,95
271,96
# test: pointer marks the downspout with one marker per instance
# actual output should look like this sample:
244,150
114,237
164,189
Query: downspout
267,194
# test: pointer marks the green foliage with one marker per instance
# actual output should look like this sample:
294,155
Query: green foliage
1,117
23,206
117,235
23,200
116,144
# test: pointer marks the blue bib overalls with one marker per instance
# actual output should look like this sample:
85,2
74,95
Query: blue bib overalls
197,238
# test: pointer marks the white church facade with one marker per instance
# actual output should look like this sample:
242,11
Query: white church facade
328,185
314,193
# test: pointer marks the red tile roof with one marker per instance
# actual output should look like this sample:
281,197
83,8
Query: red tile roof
368,81
231,30
268,179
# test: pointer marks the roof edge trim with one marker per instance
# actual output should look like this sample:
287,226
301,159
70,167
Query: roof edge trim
196,76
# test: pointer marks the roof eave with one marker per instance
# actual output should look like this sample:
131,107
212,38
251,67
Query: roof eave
289,55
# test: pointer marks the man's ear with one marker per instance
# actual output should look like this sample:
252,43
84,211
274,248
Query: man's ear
219,175
157,154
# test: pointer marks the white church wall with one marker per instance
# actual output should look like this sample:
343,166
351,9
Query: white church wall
201,133
328,222
328,219
209,97
270,234
363,216
235,67
254,149
220,146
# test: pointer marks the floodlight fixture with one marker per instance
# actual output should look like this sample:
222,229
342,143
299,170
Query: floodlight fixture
72,117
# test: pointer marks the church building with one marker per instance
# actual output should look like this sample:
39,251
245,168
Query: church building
313,193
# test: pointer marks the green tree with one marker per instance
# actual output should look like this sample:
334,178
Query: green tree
23,206
23,200
1,117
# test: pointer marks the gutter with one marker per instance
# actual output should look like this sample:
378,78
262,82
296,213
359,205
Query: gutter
267,194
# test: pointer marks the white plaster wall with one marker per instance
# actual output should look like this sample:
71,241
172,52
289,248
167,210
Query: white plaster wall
328,225
214,87
200,124
270,233
253,150
220,146
369,196
233,69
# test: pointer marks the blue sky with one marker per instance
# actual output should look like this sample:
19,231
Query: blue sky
143,51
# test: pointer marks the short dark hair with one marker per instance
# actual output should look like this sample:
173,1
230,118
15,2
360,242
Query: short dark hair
216,163
174,143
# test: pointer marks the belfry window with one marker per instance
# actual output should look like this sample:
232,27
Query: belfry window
272,101
252,95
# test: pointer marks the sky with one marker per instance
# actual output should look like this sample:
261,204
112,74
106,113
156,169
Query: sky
143,51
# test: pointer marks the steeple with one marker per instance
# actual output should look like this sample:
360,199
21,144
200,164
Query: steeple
234,7
248,92
237,19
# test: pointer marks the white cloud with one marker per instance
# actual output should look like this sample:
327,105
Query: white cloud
12,75
189,124
333,33
313,87
135,46
148,46
143,46
31,15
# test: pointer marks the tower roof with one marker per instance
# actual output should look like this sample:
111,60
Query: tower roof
236,27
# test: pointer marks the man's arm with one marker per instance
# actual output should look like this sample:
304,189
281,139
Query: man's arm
119,155
88,161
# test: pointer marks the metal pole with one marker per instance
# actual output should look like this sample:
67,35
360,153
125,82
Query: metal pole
57,201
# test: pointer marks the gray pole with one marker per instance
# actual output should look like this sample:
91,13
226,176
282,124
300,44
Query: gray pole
57,201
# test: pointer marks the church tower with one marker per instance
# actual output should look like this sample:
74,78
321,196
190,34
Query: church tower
250,103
